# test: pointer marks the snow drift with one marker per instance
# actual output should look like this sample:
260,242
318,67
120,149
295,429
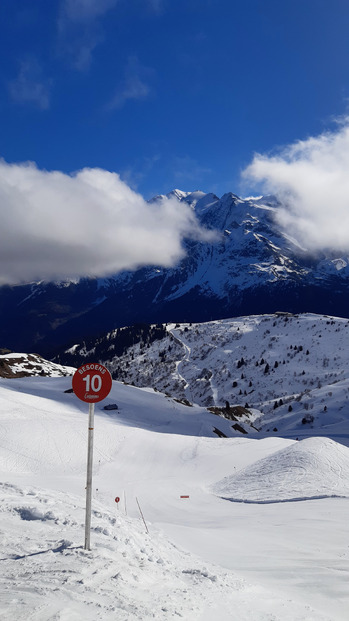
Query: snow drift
312,468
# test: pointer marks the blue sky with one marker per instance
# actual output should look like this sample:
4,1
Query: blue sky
168,93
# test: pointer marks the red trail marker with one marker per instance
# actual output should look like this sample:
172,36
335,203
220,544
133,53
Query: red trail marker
92,383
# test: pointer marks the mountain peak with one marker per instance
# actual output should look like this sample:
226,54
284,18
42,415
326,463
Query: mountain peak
179,194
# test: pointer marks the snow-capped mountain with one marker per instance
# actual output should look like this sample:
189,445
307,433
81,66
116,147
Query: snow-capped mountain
251,267
14,365
273,373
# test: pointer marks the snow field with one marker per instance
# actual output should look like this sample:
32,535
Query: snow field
48,574
205,558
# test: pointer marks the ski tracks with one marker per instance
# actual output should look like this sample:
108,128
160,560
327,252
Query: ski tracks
186,358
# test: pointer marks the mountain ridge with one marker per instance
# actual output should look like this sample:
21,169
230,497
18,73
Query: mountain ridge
252,267
287,373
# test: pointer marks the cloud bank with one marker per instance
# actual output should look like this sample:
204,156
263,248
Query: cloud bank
56,226
311,178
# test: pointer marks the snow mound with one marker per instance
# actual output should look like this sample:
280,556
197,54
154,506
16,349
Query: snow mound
312,468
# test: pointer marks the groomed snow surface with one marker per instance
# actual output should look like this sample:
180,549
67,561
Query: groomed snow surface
280,552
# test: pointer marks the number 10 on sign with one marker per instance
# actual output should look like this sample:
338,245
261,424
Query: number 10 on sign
95,381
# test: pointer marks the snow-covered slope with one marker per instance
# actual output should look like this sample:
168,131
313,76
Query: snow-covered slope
252,267
198,558
293,369
24,365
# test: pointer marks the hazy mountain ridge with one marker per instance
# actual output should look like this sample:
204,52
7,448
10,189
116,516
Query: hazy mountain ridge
251,268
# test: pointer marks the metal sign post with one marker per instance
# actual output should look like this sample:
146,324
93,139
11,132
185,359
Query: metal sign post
91,413
91,383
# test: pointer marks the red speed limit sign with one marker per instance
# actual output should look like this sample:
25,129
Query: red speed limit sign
92,382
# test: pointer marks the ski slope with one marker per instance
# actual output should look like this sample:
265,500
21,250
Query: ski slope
197,558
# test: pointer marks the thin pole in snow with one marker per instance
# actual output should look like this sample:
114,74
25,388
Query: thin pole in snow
91,411
140,510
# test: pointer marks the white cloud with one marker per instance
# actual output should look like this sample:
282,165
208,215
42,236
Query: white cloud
79,30
30,86
134,86
83,10
56,226
311,178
